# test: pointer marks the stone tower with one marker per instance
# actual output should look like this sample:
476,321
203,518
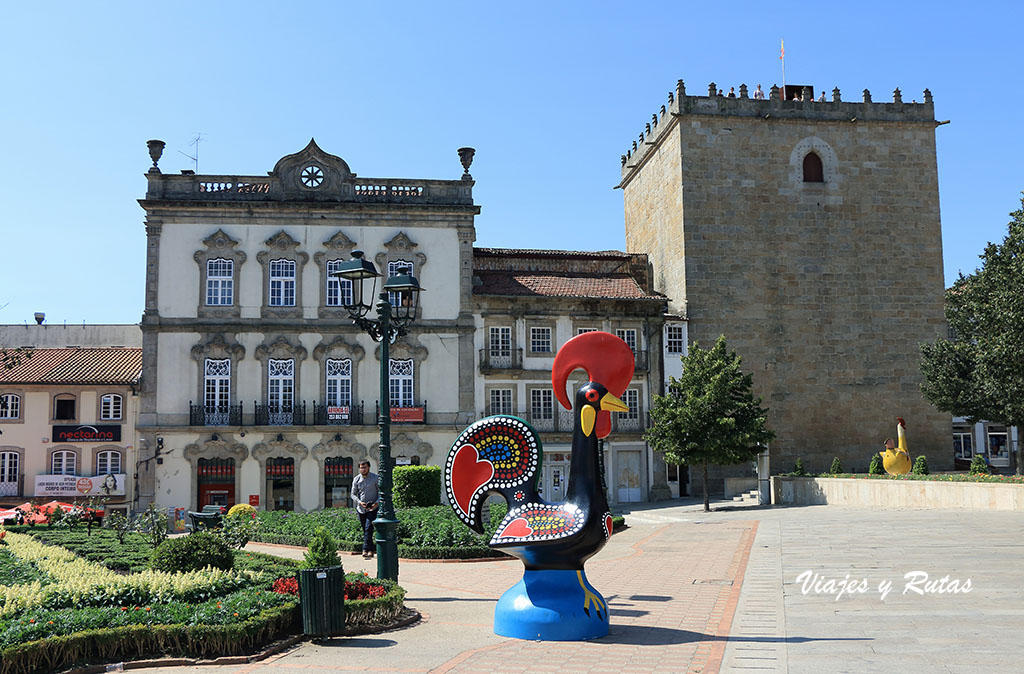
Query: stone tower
808,234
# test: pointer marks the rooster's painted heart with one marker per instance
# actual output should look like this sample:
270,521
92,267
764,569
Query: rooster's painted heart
469,473
517,528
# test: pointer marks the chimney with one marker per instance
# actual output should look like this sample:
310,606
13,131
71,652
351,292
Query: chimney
40,317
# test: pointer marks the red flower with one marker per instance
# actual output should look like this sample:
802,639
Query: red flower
124,608
286,585
32,620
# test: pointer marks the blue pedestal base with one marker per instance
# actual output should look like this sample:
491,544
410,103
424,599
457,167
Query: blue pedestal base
552,605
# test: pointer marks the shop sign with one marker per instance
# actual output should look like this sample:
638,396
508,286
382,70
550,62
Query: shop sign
338,413
100,433
72,485
407,414
254,500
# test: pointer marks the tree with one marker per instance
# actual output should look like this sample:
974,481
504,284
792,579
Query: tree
710,414
977,373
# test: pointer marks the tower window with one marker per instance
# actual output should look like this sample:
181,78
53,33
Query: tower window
813,170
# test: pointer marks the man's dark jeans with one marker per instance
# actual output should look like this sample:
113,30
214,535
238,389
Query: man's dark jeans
366,520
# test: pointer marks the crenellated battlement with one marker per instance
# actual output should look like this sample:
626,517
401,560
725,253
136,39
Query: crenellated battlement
772,108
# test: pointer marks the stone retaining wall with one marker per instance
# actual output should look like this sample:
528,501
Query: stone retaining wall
896,493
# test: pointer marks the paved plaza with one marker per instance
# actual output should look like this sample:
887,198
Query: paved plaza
729,591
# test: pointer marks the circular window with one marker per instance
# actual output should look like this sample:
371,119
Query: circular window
312,176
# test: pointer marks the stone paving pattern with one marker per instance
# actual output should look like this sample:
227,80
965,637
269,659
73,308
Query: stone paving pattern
702,592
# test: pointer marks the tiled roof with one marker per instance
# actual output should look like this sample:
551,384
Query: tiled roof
529,283
535,252
76,366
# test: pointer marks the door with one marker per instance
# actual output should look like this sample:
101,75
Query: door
629,489
9,466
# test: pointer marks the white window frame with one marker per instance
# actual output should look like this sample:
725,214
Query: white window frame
499,401
628,335
220,282
64,462
631,397
339,290
958,444
542,404
217,391
583,331
338,382
401,382
675,338
499,340
541,336
393,269
10,471
108,462
281,384
10,406
111,407
282,283
1001,459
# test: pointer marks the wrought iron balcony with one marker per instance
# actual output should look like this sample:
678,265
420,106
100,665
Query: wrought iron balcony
557,420
501,359
214,415
622,423
404,414
338,415
281,415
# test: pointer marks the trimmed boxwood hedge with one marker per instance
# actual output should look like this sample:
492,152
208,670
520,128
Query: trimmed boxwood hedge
417,486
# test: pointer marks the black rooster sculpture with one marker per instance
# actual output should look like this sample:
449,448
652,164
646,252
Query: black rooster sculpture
502,454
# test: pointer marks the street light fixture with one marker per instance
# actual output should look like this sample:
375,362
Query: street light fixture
396,308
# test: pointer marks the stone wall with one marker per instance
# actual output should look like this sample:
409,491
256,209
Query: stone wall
825,289
896,493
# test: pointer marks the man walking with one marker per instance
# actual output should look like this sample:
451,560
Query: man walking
365,494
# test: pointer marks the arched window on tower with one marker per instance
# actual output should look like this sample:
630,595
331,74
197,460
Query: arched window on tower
814,172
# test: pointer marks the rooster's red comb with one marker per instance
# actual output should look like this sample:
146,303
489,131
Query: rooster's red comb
607,360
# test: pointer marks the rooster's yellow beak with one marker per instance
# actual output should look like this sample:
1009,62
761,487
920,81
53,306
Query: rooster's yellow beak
610,403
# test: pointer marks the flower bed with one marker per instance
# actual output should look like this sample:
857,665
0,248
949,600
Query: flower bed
368,601
61,610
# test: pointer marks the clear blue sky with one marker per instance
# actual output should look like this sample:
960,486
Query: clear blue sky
549,93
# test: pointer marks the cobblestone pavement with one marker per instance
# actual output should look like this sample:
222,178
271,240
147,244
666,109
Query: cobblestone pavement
719,592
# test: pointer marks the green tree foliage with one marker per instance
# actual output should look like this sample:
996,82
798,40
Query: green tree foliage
710,415
920,466
977,373
836,466
798,468
876,467
978,465
417,486
322,550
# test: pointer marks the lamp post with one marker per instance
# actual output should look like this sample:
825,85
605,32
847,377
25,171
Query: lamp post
391,323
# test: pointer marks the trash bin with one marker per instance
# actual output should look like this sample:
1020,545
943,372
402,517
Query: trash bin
322,597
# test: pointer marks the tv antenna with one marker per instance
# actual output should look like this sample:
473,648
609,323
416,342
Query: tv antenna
195,142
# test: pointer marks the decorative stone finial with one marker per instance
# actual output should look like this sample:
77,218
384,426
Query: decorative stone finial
927,96
671,98
634,146
712,89
867,96
156,150
897,95
647,129
835,95
623,159
743,91
663,111
680,88
466,157
774,92
807,94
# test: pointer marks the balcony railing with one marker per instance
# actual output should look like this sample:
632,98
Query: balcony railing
501,359
404,414
214,415
281,415
338,415
624,424
642,361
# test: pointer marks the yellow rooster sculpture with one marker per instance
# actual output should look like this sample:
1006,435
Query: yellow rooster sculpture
896,461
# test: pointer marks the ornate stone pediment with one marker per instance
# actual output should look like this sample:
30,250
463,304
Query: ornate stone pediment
400,247
346,448
338,348
410,445
282,243
216,346
280,348
312,174
406,347
285,447
216,449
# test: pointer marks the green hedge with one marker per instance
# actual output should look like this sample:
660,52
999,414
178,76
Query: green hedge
417,486
111,644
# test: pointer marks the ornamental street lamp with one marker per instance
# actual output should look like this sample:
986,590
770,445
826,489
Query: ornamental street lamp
396,308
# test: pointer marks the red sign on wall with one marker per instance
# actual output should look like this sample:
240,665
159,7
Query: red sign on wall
407,414
254,500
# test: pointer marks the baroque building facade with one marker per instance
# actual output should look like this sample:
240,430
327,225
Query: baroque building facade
807,233
256,386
